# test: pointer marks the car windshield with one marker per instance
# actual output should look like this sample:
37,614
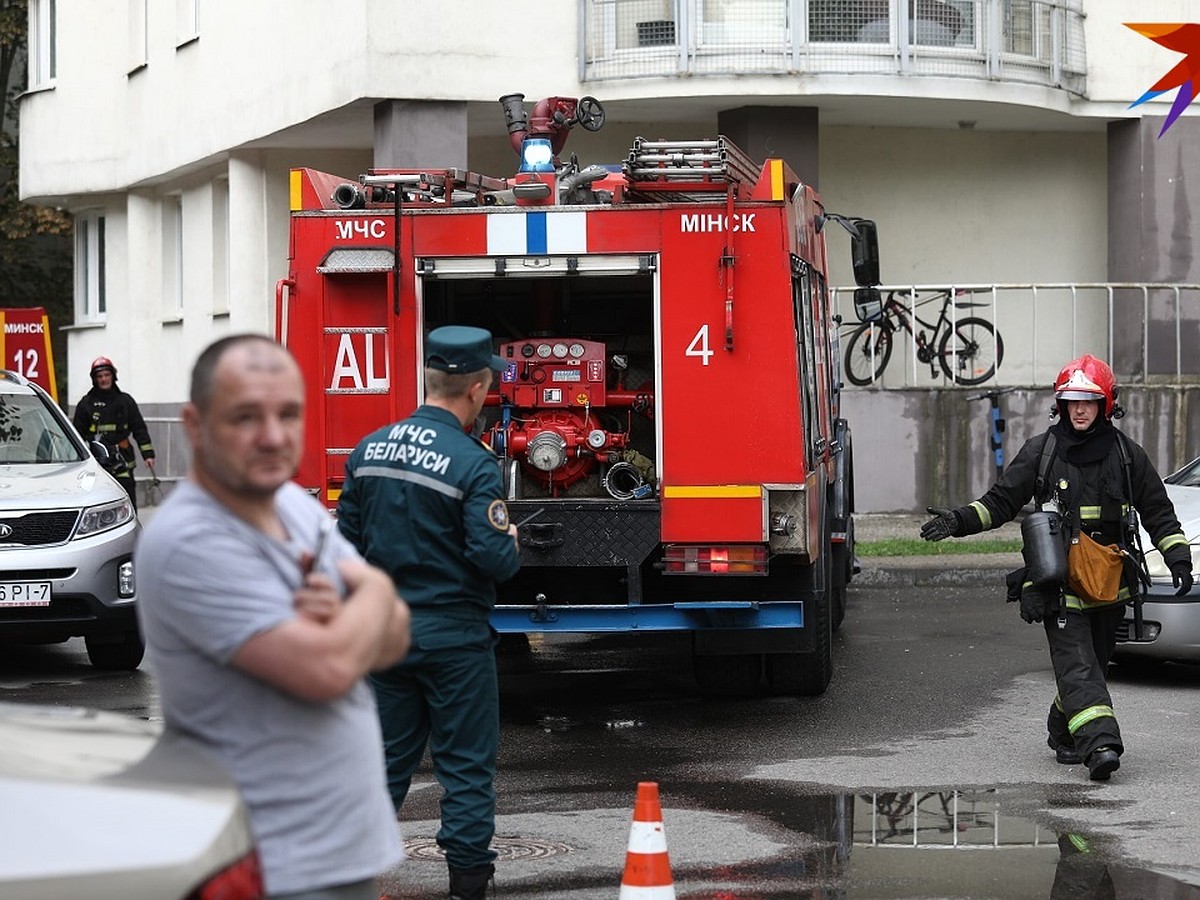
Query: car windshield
1188,476
30,432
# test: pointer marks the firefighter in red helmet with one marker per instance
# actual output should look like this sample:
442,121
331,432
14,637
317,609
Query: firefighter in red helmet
109,415
1093,476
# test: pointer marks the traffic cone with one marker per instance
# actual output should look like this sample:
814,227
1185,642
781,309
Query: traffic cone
647,867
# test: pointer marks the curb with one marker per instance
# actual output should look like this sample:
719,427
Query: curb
936,571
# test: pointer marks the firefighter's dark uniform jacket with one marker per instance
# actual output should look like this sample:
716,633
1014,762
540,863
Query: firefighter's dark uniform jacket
113,418
1087,476
423,500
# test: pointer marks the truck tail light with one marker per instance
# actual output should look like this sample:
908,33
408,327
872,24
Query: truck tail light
241,880
726,559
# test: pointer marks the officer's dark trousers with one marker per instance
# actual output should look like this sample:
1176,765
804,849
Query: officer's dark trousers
1082,714
448,697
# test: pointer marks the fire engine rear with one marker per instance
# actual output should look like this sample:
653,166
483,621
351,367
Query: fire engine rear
667,425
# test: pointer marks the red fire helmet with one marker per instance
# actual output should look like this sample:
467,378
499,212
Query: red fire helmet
1087,378
102,362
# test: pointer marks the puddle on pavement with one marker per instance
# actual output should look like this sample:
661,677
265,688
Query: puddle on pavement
872,846
943,844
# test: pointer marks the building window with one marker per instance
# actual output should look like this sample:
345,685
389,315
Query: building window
139,49
220,246
90,300
43,42
187,21
172,238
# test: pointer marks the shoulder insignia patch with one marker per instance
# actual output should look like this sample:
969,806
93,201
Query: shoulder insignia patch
498,515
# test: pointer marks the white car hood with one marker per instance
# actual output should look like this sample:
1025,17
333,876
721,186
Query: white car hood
56,485
1187,508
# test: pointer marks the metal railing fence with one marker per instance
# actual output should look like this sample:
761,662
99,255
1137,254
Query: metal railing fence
1028,41
1148,332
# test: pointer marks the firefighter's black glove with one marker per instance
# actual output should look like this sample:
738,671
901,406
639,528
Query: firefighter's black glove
946,523
1181,576
1037,603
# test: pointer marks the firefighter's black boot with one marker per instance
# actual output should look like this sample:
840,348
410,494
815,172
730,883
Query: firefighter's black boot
1102,762
1065,755
470,884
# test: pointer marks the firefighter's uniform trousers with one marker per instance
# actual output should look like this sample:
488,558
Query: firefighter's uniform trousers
1082,712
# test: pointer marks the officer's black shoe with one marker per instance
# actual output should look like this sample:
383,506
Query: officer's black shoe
470,884
1067,756
1102,762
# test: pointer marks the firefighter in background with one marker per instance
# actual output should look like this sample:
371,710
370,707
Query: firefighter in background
1090,476
109,415
423,501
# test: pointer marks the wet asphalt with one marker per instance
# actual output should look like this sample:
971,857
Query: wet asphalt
920,773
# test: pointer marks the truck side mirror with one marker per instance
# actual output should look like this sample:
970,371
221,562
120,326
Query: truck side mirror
864,250
868,304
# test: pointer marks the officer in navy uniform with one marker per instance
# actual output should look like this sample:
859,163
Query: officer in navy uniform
423,500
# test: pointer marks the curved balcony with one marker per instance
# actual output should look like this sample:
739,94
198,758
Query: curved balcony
1034,42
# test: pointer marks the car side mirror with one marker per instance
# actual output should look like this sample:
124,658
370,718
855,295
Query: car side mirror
101,454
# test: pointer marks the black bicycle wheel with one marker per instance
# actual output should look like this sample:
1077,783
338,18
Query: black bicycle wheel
868,352
971,353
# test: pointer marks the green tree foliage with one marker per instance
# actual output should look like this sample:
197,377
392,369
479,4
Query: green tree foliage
36,264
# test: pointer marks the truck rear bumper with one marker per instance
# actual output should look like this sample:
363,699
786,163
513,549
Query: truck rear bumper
698,616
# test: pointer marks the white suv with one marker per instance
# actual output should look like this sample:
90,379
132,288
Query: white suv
67,532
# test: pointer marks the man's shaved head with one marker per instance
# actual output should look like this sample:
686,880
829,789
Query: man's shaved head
262,354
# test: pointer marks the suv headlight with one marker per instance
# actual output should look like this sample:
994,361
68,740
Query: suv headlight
98,519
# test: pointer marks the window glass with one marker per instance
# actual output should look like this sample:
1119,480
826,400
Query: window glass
30,433
43,40
90,272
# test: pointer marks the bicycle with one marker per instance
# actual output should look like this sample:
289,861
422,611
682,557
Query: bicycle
969,349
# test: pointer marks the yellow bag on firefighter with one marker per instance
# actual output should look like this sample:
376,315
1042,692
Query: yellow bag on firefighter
1094,570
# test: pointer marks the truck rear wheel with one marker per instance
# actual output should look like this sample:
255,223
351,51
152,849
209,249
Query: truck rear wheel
808,674
728,675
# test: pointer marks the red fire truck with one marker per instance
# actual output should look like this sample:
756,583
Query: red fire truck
667,427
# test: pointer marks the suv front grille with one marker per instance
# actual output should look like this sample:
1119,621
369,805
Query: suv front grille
37,529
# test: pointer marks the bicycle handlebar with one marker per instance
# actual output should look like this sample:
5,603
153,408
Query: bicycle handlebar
989,395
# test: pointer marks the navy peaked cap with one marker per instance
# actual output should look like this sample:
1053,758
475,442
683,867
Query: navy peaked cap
461,348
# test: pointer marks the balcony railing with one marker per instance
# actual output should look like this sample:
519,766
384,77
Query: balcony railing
1144,330
1037,42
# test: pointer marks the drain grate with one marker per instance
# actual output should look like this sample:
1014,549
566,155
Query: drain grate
507,849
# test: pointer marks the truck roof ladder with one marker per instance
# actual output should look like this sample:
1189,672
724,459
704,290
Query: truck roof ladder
444,187
689,170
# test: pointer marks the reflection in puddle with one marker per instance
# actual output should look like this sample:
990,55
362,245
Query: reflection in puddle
945,819
986,852
943,844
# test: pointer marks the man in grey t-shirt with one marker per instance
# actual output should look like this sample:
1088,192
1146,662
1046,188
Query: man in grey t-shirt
261,621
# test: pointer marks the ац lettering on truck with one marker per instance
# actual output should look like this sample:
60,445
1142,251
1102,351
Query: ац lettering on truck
667,428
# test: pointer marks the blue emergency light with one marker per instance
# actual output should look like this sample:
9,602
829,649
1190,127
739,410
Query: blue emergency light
536,155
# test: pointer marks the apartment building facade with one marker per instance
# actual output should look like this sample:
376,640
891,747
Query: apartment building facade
992,140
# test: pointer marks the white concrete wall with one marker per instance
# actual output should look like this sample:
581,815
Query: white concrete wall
952,205
916,448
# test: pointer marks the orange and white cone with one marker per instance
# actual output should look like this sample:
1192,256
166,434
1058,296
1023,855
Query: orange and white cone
647,867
